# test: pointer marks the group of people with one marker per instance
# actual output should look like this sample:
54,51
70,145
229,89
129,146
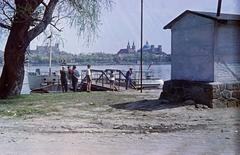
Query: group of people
128,79
72,75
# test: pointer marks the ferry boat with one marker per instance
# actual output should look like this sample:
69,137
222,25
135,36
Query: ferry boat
44,82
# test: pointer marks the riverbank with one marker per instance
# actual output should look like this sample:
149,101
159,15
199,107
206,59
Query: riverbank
114,123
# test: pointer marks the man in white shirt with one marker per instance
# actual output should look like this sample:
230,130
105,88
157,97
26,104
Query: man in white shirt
89,78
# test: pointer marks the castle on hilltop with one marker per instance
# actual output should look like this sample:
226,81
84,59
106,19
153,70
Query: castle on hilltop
42,50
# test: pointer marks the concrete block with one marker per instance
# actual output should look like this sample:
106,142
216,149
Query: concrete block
236,94
226,94
233,86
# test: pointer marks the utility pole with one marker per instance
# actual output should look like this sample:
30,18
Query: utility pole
141,59
50,54
219,7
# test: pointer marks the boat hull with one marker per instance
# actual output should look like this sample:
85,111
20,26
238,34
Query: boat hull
37,81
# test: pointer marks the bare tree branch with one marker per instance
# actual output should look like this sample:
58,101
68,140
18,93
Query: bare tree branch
44,4
9,5
47,18
54,25
5,26
6,15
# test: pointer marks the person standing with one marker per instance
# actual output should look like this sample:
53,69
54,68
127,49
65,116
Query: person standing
69,74
63,78
112,81
128,78
89,78
75,76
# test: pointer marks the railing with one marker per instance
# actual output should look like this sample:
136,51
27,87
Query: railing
103,77
120,77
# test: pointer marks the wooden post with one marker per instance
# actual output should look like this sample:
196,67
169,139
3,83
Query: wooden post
141,59
102,79
119,78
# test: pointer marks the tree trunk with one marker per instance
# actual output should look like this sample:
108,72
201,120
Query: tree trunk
14,56
19,39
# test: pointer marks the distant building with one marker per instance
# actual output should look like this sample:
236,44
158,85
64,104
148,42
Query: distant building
45,49
152,49
147,48
127,50
204,46
41,55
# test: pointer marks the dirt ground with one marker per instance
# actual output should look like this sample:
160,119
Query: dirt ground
139,126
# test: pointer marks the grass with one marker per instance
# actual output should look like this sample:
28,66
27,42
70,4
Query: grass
45,104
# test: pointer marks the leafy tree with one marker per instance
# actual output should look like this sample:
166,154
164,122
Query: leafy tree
24,20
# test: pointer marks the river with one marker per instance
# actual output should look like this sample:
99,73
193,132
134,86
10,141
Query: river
160,71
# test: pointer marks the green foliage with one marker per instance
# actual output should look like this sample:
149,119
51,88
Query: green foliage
102,58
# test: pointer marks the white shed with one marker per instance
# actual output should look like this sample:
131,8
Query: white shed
205,47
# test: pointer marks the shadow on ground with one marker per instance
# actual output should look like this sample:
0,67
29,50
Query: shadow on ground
147,105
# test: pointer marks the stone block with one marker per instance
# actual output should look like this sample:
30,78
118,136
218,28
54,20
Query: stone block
226,94
222,87
216,93
236,94
233,86
216,103
215,86
233,103
189,102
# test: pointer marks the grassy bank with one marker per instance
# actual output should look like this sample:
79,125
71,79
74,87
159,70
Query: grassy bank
48,104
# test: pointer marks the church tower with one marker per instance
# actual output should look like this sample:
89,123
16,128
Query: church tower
128,46
133,47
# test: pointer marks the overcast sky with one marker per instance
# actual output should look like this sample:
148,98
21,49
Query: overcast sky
122,24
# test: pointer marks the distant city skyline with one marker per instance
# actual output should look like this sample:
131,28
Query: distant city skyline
122,24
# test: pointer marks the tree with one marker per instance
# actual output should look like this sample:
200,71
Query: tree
24,20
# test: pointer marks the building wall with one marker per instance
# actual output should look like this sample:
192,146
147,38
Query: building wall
192,49
227,53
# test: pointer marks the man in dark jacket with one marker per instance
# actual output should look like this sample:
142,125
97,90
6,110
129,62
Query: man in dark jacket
63,77
75,76
128,78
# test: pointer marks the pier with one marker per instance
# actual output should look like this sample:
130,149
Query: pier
101,82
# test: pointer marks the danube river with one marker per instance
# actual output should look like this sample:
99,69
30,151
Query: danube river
159,71
224,73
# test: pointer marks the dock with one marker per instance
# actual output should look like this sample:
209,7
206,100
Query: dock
100,82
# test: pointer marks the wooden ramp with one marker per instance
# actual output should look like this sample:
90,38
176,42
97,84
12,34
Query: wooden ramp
95,87
101,80
100,87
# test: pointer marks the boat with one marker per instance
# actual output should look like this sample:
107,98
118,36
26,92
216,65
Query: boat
149,81
44,82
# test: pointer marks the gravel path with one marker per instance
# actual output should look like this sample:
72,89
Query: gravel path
139,127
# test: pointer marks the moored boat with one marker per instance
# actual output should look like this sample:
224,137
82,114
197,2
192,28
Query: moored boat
38,81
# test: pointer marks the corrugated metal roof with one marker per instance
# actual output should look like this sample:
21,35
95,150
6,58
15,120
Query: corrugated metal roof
210,15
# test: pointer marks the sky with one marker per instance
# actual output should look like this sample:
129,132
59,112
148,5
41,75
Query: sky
122,24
